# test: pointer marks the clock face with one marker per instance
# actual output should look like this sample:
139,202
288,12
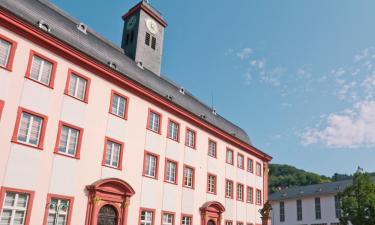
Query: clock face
152,26
131,23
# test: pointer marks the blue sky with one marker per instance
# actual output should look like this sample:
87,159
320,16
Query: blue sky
298,76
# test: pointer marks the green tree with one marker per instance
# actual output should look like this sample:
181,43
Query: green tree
358,201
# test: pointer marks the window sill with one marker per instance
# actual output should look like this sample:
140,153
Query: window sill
156,132
112,167
84,100
7,67
123,118
65,155
169,182
38,82
27,145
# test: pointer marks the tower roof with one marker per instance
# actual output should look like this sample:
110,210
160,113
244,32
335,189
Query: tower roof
151,11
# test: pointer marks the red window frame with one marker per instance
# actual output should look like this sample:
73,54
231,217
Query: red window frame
148,120
178,130
251,201
167,160
87,89
148,210
260,169
3,190
208,152
122,144
113,92
250,170
79,143
42,131
256,197
215,186
232,194
226,156
12,53
168,212
187,215
183,181
156,166
53,72
195,138
243,161
63,197
243,192
2,103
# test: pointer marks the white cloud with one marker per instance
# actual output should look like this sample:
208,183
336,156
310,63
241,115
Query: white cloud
274,76
245,53
354,128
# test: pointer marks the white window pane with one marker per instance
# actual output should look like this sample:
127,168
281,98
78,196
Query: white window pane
19,218
46,73
9,199
24,127
22,200
35,130
6,217
36,67
4,52
81,89
72,85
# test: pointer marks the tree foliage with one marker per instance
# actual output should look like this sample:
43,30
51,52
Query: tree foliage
358,201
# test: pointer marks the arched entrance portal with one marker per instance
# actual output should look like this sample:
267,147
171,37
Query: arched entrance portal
108,202
211,213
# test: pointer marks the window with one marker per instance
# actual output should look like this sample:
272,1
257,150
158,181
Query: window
259,197
239,223
41,69
59,210
30,128
186,220
173,130
77,86
259,169
147,217
282,212
147,39
113,153
153,43
171,171
190,138
119,105
212,148
249,195
299,209
228,222
229,158
337,206
250,165
7,51
229,189
189,176
318,212
211,183
154,121
168,219
150,165
240,161
69,140
16,207
239,192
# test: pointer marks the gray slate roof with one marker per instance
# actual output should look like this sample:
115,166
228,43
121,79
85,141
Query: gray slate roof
64,28
311,190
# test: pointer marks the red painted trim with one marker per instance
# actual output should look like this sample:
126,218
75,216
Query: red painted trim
12,53
215,186
165,171
156,167
148,210
260,169
256,197
58,47
147,10
70,209
148,120
250,169
195,138
243,161
2,103
113,92
42,131
226,186
169,135
226,156
122,144
79,143
168,212
265,182
243,192
3,190
209,143
251,200
53,72
87,89
187,215
183,181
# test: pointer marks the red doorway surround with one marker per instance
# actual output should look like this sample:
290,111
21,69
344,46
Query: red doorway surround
211,211
114,192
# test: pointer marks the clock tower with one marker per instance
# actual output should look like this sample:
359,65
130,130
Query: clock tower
143,36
